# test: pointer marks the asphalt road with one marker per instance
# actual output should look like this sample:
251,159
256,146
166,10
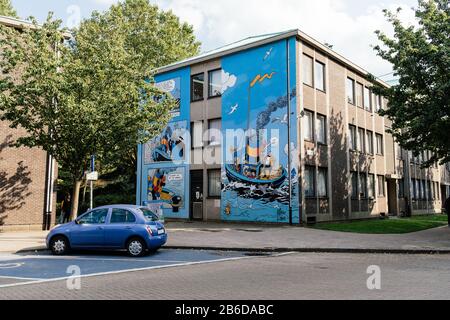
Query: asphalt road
225,275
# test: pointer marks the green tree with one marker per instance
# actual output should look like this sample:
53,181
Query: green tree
152,38
6,9
75,99
419,103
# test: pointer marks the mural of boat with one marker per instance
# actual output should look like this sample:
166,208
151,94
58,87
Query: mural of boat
238,176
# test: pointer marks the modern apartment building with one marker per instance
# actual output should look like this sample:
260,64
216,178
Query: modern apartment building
279,128
27,196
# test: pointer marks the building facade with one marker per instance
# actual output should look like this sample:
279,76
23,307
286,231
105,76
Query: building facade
279,128
27,196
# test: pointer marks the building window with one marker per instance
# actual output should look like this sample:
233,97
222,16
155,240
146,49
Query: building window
214,132
308,70
354,185
352,137
197,134
378,102
367,101
214,183
322,183
319,75
401,188
380,149
370,142
399,151
351,91
321,124
310,191
371,189
215,83
430,192
361,140
363,185
197,85
414,188
423,193
309,126
381,190
359,94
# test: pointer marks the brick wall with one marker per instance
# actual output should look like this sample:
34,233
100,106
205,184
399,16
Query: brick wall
22,184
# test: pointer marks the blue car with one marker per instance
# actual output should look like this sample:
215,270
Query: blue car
133,228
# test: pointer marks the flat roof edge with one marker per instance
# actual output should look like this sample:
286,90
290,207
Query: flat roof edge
297,33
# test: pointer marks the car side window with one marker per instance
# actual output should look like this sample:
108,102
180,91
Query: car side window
94,217
122,216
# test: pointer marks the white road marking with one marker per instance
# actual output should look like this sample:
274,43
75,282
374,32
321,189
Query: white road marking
128,271
98,259
21,278
11,265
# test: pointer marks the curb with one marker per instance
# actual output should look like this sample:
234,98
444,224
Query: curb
317,250
286,250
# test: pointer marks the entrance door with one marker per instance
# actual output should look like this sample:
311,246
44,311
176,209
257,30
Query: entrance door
196,212
392,197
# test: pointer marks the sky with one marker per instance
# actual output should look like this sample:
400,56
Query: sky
348,25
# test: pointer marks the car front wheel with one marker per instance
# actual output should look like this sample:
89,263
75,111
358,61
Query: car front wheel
136,247
59,245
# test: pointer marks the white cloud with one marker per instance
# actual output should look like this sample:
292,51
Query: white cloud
351,31
228,81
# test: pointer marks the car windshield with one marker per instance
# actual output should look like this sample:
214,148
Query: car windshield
149,215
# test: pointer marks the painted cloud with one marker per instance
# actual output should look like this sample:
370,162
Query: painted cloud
228,81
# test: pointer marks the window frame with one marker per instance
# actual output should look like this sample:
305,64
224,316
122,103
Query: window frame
308,58
353,141
381,178
379,153
209,132
192,87
210,72
369,106
359,87
312,126
369,147
313,184
361,145
325,129
353,82
210,195
325,172
323,65
127,213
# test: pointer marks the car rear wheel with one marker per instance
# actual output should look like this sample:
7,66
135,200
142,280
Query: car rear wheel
59,245
136,247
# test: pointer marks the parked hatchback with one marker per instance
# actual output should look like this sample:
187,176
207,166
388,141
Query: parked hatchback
133,228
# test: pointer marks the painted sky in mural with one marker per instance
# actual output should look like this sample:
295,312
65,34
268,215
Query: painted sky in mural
255,172
172,87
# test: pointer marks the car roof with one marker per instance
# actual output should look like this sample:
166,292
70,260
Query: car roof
120,206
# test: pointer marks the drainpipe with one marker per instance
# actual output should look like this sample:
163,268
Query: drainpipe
289,127
49,186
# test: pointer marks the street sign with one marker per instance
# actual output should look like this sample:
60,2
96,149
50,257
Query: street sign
92,176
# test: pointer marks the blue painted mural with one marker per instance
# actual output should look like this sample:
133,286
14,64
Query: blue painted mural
164,161
255,171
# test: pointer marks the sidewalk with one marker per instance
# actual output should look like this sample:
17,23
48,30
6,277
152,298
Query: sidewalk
269,238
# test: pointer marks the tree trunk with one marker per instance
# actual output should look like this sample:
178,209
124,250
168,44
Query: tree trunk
75,200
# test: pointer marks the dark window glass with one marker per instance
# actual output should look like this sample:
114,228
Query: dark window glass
310,190
122,216
351,90
319,76
215,83
214,183
197,85
94,217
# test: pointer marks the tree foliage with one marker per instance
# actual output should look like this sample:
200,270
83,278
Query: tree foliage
75,99
6,9
419,103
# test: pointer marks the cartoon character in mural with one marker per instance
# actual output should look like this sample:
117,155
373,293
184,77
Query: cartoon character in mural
170,146
159,192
